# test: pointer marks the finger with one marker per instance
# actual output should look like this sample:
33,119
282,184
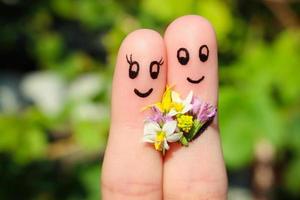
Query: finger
132,169
197,171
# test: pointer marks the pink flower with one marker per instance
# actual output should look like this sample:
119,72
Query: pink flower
196,103
158,116
203,111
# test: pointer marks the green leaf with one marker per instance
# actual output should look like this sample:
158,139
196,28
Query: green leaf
167,10
236,124
32,145
219,14
90,177
91,135
194,130
184,141
49,47
292,177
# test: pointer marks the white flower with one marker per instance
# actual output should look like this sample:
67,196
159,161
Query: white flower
180,106
46,90
87,111
160,137
85,87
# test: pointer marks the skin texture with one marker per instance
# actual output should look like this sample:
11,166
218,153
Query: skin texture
131,169
196,172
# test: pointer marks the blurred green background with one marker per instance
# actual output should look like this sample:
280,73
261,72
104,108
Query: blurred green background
57,61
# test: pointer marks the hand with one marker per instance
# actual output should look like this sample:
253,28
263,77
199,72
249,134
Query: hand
187,59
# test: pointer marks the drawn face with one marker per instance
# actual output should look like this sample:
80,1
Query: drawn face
192,56
134,70
140,75
183,57
141,71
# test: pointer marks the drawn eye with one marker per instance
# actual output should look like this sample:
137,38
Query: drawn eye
134,70
133,67
203,53
183,56
155,67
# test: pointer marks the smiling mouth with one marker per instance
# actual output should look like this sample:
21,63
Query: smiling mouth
195,81
143,95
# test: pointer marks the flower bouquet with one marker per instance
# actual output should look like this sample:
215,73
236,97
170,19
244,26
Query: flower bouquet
176,120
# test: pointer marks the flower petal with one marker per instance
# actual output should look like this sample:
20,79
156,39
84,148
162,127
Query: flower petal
149,138
172,113
176,97
151,128
169,127
174,137
196,105
187,108
166,146
189,98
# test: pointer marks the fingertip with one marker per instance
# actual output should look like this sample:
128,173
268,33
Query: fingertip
192,57
192,24
140,73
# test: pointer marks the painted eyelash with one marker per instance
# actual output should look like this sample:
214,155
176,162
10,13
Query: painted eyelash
129,60
161,61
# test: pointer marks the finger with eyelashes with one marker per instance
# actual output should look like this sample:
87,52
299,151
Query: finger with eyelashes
196,171
131,168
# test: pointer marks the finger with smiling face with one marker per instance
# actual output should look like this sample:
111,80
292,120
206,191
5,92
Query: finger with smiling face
131,168
196,171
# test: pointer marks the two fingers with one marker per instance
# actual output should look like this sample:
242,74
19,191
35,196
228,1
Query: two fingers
187,59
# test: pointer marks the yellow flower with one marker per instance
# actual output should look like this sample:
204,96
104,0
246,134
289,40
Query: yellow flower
166,104
178,106
159,140
185,122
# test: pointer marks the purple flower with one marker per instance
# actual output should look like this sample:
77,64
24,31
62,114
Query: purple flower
203,111
206,112
158,116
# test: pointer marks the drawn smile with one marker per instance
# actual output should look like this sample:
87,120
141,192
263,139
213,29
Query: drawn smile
195,81
143,95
